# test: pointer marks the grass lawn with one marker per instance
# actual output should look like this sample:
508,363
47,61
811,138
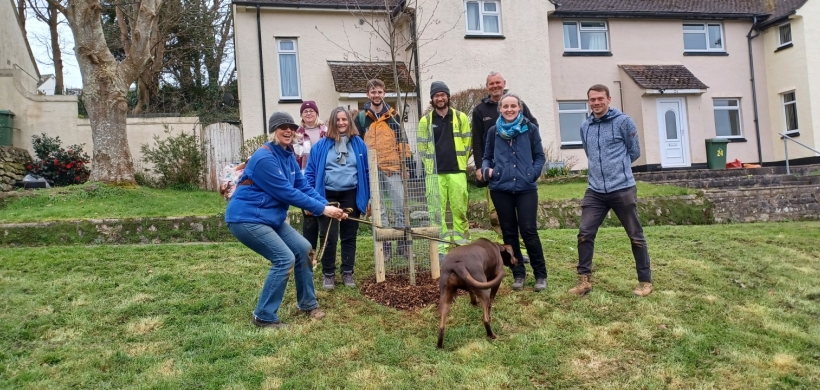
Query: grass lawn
736,307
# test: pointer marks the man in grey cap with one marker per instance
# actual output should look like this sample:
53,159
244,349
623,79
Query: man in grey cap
444,141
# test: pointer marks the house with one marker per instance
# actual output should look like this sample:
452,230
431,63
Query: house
47,84
791,48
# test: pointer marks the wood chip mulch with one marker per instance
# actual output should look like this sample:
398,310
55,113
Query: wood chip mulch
396,291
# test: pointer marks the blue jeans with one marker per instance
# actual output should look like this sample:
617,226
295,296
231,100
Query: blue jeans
394,187
285,248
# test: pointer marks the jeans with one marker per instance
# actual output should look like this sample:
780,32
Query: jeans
285,248
517,213
594,209
310,229
395,189
346,230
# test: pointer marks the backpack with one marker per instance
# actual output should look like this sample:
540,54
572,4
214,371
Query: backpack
229,179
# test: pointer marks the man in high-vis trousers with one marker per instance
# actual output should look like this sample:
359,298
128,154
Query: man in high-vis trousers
444,143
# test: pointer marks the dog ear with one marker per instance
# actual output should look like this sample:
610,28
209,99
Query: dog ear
507,255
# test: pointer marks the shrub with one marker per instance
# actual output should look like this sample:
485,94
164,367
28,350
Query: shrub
179,161
59,166
250,146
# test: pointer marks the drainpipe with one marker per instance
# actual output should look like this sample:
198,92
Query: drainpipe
621,94
261,72
416,63
749,37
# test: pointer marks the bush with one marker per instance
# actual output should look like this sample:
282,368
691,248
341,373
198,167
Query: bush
179,161
250,146
61,167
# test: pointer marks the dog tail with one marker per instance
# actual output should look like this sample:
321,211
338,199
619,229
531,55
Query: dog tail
475,283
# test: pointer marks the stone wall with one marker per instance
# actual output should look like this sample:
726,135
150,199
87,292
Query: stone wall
765,204
12,166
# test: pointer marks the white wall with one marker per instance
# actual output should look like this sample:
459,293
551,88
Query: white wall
14,50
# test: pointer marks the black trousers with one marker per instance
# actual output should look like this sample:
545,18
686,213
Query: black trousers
310,229
517,212
594,209
345,230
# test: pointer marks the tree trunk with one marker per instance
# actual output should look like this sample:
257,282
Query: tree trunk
56,54
21,14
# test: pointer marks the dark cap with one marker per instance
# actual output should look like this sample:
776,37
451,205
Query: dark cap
279,119
439,86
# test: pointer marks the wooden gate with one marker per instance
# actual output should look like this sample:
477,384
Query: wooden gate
224,141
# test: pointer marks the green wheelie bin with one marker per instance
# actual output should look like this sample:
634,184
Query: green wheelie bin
6,127
716,153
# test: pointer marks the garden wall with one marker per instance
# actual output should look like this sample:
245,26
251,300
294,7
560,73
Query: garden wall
12,166
765,204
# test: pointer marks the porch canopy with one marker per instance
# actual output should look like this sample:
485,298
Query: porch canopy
665,79
351,76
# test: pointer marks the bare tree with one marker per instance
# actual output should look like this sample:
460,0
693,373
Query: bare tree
47,13
21,14
106,81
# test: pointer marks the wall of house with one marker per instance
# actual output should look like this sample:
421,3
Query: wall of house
788,70
810,12
522,56
726,76
322,35
14,51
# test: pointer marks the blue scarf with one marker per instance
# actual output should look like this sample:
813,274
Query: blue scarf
512,129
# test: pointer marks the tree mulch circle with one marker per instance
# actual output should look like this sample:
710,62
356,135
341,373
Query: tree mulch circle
396,291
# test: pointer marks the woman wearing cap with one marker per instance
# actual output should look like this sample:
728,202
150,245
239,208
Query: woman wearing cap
307,135
513,159
338,170
271,183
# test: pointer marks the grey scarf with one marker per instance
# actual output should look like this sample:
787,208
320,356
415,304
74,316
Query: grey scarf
341,150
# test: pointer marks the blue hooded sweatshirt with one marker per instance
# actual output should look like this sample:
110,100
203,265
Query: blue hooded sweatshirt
315,170
611,145
278,183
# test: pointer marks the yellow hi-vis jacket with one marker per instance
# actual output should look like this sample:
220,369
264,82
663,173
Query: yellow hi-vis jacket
462,137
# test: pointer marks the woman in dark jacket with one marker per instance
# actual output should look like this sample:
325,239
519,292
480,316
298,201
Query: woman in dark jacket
270,184
337,168
513,159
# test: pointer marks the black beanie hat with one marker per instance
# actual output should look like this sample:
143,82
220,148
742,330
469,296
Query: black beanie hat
439,86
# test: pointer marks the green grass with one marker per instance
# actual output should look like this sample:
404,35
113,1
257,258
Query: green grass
736,307
100,201
574,189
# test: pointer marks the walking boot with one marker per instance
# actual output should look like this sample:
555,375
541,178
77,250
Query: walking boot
387,249
643,289
403,248
583,286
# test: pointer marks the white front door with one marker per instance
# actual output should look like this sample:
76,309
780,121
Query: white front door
673,133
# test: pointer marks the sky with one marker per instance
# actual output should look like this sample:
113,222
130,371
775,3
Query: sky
38,39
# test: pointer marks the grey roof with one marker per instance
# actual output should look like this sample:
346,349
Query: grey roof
353,76
781,10
663,77
354,4
667,8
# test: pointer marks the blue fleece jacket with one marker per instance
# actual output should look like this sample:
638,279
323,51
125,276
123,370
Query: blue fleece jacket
611,145
278,183
315,170
516,163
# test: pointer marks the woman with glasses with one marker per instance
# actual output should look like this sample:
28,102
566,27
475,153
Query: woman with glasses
307,135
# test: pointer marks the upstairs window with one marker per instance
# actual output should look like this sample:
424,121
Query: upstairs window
586,36
703,37
483,17
288,69
785,31
727,118
790,109
570,117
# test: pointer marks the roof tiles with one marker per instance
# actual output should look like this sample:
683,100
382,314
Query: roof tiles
663,77
353,76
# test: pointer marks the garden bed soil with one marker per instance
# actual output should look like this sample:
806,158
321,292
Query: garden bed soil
396,291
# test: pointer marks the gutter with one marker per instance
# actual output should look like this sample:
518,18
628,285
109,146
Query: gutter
749,38
261,72
344,7
648,14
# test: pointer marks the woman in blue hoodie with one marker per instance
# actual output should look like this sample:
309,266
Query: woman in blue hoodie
271,183
338,170
513,159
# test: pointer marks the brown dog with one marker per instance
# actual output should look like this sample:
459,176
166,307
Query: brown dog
474,268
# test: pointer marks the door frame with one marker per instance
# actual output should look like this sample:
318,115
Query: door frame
684,131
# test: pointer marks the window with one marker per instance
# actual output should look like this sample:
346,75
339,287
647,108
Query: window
785,34
288,69
702,37
586,36
727,118
483,17
790,107
570,117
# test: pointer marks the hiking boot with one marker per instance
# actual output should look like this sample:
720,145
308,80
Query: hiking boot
347,279
518,284
268,324
387,249
314,313
329,283
525,259
643,289
540,284
583,286
402,247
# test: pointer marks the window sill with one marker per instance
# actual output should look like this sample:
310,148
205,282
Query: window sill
290,100
572,146
783,47
587,54
793,134
481,36
735,139
706,53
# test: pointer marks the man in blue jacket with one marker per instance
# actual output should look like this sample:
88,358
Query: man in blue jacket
610,140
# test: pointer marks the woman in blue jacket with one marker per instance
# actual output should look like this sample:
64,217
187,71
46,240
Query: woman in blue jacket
271,183
513,159
337,168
